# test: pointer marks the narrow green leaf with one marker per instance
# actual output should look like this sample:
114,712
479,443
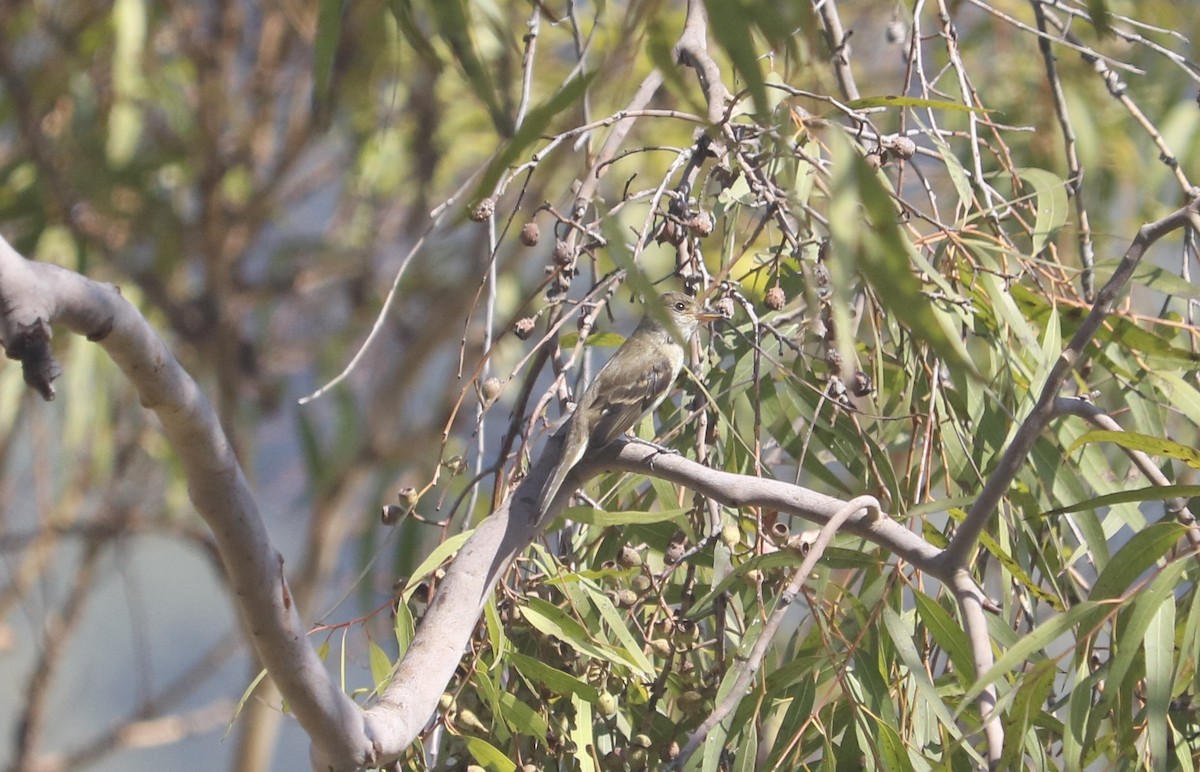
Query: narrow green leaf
590,516
1098,12
325,45
557,681
522,718
534,125
435,559
1155,446
865,103
601,339
453,21
381,665
1086,615
551,620
729,24
617,626
1149,493
1160,650
583,735
1025,710
768,564
1051,205
884,256
893,753
402,12
948,634
1153,276
901,637
489,756
404,627
1142,551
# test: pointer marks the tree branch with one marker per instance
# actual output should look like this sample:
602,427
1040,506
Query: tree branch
34,296
980,514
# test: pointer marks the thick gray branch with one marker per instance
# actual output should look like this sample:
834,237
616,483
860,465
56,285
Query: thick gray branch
37,296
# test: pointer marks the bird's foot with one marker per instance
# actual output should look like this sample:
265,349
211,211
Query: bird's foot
659,450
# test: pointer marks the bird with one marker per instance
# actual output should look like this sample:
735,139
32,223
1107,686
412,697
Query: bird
630,385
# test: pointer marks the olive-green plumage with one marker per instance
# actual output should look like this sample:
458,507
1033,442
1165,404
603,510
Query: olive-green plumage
637,378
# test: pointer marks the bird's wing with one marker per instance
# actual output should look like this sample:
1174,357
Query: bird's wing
626,404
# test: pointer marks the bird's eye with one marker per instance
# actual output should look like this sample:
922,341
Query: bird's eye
680,306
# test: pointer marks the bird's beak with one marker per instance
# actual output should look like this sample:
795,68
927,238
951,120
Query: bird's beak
708,315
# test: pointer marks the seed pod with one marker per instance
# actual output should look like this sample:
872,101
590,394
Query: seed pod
640,583
861,385
660,646
731,535
875,159
903,147
490,390
524,327
530,234
776,298
701,223
563,254
391,514
626,598
691,701
607,705
407,496
483,210
629,557
724,307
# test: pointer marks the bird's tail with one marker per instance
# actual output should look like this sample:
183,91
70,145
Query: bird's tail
573,448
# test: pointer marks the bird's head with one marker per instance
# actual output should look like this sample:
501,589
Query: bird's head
684,313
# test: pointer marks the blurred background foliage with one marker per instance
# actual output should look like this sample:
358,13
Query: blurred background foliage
254,176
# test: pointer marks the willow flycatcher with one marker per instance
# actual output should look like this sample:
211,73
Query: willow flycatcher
637,378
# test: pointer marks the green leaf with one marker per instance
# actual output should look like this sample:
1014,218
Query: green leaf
1150,275
325,45
1098,11
1026,710
601,339
948,634
893,752
1086,615
901,637
402,12
452,18
884,255
1160,650
551,620
557,681
522,718
1141,552
1155,446
620,630
381,665
1051,205
1142,611
583,735
729,24
488,756
435,559
1149,493
590,516
766,563
865,103
534,125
